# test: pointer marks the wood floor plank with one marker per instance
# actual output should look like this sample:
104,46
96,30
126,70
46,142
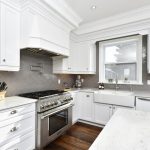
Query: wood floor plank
79,137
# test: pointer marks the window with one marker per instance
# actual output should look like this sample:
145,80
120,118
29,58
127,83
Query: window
121,60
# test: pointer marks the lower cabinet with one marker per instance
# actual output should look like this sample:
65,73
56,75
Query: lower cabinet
86,109
75,108
103,112
17,128
85,105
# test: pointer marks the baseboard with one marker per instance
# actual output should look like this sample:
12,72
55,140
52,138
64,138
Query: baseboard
91,123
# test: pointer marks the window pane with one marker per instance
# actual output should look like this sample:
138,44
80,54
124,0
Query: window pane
125,72
121,52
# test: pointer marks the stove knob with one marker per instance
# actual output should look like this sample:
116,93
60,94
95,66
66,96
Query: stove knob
42,106
59,102
53,103
56,103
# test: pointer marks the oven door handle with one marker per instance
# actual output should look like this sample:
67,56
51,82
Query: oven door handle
42,117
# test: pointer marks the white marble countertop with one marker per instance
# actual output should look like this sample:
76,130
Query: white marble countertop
14,101
135,93
126,130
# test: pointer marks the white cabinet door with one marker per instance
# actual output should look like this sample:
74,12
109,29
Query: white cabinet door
75,108
114,108
102,113
143,104
10,38
82,59
85,101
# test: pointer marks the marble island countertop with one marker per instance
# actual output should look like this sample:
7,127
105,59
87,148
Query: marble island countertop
126,130
14,101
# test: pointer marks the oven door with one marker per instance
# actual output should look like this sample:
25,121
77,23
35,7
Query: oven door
55,123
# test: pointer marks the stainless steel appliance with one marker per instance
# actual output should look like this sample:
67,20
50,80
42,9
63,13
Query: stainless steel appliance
54,113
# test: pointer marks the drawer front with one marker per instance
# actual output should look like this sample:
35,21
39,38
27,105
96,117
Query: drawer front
16,111
26,142
17,128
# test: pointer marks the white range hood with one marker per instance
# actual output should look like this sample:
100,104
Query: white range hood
43,29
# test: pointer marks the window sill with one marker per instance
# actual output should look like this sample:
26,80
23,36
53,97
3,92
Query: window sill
123,83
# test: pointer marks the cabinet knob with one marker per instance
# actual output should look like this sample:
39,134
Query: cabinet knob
13,112
87,95
4,60
13,129
69,68
87,68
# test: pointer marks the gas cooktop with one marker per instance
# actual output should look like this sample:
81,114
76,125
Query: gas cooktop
42,94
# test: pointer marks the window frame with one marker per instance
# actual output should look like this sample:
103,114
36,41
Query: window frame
138,59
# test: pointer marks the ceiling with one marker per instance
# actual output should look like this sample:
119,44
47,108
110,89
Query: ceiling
104,8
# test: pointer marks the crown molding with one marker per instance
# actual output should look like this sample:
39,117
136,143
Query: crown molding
16,4
64,10
44,10
140,27
122,19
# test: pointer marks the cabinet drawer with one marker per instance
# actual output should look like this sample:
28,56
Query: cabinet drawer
18,128
26,142
16,111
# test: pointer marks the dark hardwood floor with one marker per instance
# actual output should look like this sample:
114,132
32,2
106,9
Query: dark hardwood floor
79,137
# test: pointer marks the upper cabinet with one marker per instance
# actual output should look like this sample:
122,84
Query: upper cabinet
9,38
82,59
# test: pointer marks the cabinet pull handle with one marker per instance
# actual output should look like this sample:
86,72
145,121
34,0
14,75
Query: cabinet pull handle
13,129
4,60
13,112
110,107
87,95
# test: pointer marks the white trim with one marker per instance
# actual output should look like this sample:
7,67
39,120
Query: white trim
56,9
140,27
114,21
65,11
139,60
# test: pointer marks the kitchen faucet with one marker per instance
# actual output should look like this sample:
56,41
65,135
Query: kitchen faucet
116,78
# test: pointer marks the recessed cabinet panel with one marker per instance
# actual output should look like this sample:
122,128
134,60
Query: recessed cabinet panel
82,59
85,106
10,38
102,113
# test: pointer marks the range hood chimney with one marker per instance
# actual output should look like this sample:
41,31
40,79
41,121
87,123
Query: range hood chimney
42,36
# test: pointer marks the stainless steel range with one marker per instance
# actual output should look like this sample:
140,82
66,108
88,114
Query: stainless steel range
54,113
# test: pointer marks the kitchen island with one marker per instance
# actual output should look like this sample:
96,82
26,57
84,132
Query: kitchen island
126,130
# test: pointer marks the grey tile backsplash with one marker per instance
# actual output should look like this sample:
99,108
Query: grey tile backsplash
28,81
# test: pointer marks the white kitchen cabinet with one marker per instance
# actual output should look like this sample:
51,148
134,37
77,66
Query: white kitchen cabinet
75,108
82,59
114,108
17,127
102,113
10,38
85,100
143,104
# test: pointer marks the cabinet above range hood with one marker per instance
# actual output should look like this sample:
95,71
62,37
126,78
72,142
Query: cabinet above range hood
44,33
